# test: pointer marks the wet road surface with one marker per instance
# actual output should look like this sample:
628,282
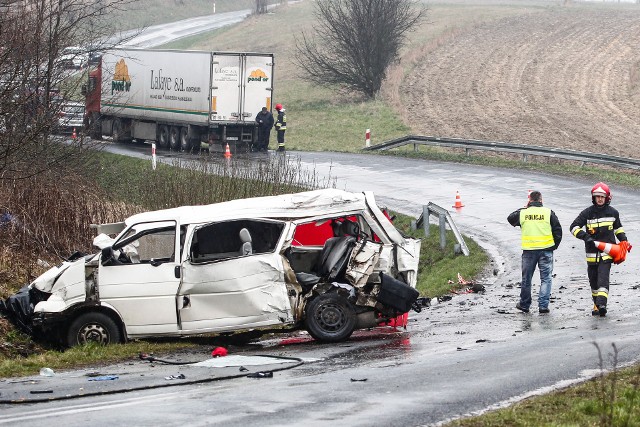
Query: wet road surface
457,357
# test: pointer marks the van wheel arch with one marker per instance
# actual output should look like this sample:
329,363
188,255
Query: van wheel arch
94,323
329,317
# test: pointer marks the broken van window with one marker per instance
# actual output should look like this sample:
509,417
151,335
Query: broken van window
148,242
231,239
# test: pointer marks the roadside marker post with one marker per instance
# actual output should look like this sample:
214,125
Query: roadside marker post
153,155
367,138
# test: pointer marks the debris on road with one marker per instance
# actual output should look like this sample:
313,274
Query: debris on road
261,374
175,377
104,378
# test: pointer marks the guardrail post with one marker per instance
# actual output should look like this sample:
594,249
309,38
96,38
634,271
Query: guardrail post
415,148
467,152
525,157
443,228
425,219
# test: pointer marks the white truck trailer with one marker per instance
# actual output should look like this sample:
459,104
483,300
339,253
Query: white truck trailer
181,99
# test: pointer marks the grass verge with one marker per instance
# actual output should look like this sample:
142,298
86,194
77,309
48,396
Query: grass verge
607,400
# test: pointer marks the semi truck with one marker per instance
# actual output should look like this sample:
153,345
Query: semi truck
183,100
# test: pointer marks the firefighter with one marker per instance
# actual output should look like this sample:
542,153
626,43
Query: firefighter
599,222
281,126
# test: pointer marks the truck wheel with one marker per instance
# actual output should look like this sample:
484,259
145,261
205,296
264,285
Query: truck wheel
117,130
95,126
174,138
163,137
185,141
93,327
330,318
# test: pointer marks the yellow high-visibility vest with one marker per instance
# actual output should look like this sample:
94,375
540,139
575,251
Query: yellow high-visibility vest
535,224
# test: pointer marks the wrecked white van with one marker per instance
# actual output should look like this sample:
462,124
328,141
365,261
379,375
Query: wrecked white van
328,261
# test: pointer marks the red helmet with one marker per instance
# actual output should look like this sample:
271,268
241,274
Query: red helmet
278,107
601,189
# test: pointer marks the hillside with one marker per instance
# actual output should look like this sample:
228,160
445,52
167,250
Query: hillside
566,77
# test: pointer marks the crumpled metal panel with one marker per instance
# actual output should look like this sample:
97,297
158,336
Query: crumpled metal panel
364,258
247,290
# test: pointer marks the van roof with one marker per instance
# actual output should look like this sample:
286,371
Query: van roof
290,206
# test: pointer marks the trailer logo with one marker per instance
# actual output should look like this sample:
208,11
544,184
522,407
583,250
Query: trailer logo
121,79
258,76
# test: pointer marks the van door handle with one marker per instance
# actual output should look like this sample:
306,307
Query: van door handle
176,271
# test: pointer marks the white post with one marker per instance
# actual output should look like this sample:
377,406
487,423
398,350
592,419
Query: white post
153,155
214,6
367,138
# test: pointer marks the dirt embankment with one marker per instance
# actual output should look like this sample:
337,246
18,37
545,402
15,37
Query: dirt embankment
563,78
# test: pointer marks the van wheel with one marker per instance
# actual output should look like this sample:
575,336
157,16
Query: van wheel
93,327
330,318
163,137
174,138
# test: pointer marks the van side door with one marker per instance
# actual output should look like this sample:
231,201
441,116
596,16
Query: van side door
234,277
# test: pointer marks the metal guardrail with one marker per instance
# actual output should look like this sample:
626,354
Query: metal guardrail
525,150
444,217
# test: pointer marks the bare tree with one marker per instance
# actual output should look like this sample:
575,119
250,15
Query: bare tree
355,42
33,81
261,6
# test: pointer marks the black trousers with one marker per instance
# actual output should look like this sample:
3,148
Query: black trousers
263,138
281,140
599,282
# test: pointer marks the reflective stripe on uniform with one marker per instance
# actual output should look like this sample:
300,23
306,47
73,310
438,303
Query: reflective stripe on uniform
537,242
603,292
618,230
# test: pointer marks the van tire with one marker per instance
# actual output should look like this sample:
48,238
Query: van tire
330,318
93,327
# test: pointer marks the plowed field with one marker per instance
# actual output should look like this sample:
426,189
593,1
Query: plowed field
566,78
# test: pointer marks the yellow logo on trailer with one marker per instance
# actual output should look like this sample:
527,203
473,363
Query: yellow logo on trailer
258,76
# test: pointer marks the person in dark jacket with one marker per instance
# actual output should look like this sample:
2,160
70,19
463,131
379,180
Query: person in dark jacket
281,126
599,222
264,119
541,234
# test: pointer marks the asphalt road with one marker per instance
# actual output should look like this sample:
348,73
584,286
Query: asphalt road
459,357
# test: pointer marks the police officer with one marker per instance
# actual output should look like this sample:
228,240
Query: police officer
281,126
599,222
541,234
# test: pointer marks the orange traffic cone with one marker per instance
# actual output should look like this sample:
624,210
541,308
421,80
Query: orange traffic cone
227,152
617,252
73,135
458,201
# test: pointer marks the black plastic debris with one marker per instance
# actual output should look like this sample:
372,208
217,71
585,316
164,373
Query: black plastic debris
359,379
420,303
41,391
261,374
243,369
445,298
